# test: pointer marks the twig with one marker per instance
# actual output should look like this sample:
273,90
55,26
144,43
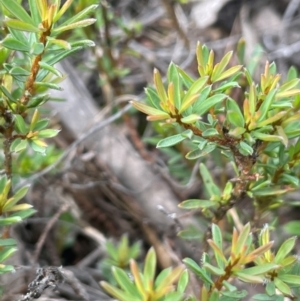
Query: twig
49,226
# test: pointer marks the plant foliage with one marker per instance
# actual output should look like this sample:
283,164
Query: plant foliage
29,49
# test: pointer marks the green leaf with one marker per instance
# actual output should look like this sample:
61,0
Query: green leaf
264,297
196,204
19,71
48,133
6,269
197,270
112,251
20,124
24,213
270,288
162,275
217,239
252,99
8,242
5,221
266,137
21,193
17,10
286,247
149,110
293,227
173,296
249,278
243,236
220,67
14,44
36,147
34,12
187,80
210,132
192,94
272,119
292,73
170,141
41,124
81,14
7,94
231,71
50,69
78,24
208,103
290,279
190,119
261,269
37,48
173,77
83,43
227,86
190,234
215,270
197,153
124,282
266,105
235,294
20,25
234,114
117,293
38,100
63,9
149,268
153,97
19,207
289,93
248,150
183,281
53,59
47,85
212,188
241,49
289,85
283,287
188,134
6,253
214,296
60,43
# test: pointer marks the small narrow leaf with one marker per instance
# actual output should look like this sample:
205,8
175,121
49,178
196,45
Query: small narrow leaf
215,270
79,24
20,25
283,287
5,253
149,269
190,119
195,268
219,68
81,14
17,10
196,204
171,140
13,44
212,188
229,72
208,103
197,153
21,125
265,107
285,249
